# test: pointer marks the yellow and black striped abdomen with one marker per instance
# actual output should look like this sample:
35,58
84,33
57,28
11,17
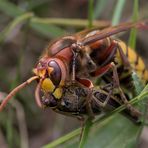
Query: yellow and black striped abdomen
135,61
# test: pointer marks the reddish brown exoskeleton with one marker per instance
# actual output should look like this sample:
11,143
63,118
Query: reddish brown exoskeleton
78,57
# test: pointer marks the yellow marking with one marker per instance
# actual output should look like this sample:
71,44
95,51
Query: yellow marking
62,83
132,57
41,73
50,69
47,85
58,93
34,71
137,60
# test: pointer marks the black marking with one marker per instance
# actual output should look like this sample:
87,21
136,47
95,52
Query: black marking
143,72
125,60
137,60
127,51
111,56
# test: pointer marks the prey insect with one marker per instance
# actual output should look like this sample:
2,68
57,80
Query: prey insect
77,58
73,102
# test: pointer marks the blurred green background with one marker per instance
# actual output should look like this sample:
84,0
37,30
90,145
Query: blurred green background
26,27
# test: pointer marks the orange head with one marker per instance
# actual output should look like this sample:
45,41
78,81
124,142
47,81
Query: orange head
52,76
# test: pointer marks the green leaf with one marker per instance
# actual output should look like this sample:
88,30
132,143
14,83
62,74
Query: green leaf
118,12
14,11
64,22
35,4
10,9
109,131
46,26
133,33
99,7
90,13
63,139
18,20
47,30
137,83
85,133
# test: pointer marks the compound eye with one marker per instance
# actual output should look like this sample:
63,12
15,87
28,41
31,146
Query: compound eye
55,75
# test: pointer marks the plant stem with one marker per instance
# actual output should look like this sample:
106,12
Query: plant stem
63,139
133,33
85,133
118,12
76,132
90,13
69,22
